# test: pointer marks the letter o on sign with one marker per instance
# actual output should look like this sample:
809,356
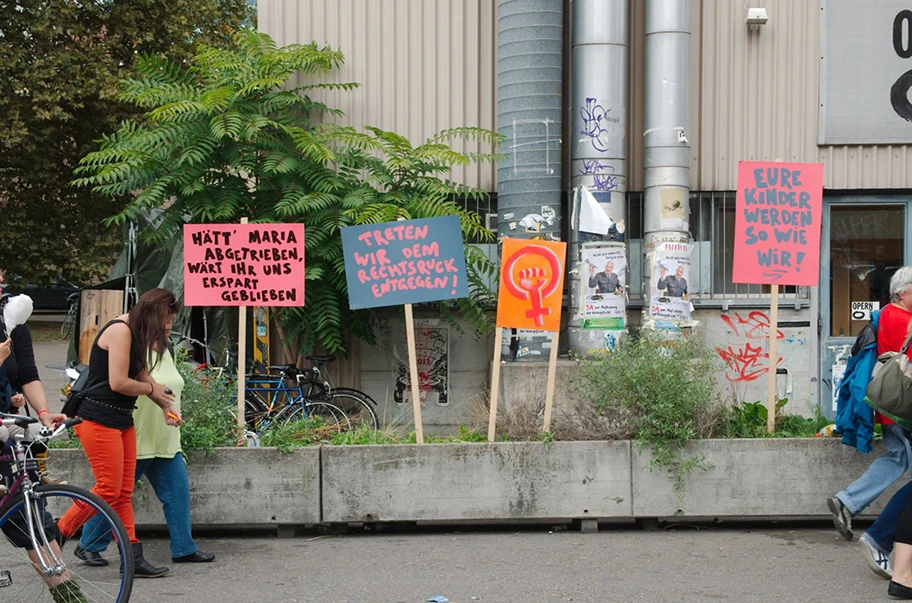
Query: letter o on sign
859,315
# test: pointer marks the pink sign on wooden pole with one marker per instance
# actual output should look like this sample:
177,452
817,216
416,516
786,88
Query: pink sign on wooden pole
777,223
244,264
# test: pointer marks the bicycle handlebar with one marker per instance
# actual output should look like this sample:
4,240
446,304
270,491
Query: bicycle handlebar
44,433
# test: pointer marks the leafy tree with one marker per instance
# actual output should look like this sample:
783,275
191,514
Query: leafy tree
60,62
226,137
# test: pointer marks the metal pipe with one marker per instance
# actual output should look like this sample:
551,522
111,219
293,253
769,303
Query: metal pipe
667,148
530,39
598,113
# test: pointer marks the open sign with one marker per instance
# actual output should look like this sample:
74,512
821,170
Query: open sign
862,310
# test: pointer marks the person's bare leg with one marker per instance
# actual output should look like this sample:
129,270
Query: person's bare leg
902,564
52,580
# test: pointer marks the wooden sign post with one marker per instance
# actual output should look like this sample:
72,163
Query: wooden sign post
404,263
242,367
243,265
552,373
495,383
413,373
529,297
778,212
771,394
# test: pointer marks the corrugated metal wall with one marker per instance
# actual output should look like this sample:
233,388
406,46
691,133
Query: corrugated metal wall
426,65
754,97
423,65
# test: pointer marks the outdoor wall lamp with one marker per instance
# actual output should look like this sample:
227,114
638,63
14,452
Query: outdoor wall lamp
757,16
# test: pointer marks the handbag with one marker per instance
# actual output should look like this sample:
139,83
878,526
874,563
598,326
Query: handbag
890,389
78,392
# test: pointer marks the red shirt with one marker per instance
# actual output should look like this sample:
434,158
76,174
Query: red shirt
892,329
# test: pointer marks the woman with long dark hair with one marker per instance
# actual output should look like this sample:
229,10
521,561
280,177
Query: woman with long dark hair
119,371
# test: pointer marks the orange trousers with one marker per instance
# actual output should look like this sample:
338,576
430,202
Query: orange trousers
112,456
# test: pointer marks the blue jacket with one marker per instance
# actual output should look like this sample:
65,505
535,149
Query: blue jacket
854,418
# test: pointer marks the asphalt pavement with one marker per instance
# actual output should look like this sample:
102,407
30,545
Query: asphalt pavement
528,566
51,353
509,566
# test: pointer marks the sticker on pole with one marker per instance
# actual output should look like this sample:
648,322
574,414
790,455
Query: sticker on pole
531,284
861,310
244,264
406,262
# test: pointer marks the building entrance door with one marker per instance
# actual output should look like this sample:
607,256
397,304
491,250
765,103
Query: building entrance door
864,242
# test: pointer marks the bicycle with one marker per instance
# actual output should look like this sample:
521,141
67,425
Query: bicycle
357,405
261,410
69,321
33,556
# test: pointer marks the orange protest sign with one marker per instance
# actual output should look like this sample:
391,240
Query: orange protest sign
531,284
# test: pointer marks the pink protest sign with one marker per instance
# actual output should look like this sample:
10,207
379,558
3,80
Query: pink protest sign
244,264
777,223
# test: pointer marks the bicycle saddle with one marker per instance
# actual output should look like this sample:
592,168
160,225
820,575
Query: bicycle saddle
318,360
282,368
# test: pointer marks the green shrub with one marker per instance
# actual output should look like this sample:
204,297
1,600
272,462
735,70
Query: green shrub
208,409
661,391
748,420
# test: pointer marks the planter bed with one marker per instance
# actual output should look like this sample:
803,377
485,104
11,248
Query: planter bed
466,482
233,486
507,481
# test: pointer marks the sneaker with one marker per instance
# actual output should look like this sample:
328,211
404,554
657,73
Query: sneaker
842,519
47,480
876,559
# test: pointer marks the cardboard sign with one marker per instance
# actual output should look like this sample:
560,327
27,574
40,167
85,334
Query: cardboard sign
244,264
777,223
531,284
407,262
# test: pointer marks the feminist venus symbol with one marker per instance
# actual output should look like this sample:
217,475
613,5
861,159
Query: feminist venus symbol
536,283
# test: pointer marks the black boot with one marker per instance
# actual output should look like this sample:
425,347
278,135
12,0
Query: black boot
142,568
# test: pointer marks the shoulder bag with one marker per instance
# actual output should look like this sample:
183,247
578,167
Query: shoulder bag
890,390
78,392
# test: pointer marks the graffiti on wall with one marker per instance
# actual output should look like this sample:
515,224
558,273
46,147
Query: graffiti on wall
596,124
432,351
603,182
746,359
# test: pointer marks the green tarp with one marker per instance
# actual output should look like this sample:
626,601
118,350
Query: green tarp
163,266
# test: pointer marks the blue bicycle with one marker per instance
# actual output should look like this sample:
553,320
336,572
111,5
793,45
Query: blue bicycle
269,400
286,385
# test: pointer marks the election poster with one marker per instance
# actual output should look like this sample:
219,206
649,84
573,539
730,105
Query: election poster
778,210
670,295
603,281
244,264
406,262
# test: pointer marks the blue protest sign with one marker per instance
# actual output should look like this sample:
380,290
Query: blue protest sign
408,262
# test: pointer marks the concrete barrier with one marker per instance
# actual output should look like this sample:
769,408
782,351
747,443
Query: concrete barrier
466,482
756,478
504,481
233,486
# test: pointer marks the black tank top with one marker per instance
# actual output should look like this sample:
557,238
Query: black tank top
102,404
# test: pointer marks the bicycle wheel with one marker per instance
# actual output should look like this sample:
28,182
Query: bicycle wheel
328,414
112,583
66,328
356,406
255,409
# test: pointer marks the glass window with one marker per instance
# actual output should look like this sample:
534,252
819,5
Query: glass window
866,248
